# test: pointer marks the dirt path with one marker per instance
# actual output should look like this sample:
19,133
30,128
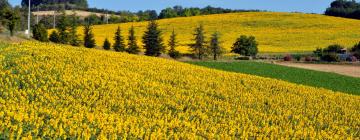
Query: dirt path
348,70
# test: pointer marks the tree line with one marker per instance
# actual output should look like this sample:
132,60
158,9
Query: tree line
121,16
152,40
344,8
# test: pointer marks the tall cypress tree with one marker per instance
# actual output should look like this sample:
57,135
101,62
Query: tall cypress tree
89,41
133,48
173,53
152,40
199,47
119,44
62,28
215,47
74,37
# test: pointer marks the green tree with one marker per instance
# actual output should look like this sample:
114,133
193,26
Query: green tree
74,37
152,40
62,27
40,33
215,46
246,46
133,48
173,53
4,4
107,44
356,50
168,13
54,37
119,44
199,47
10,18
89,41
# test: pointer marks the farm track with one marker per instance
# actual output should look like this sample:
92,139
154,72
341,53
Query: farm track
348,70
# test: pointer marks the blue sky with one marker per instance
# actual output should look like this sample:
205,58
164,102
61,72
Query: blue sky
307,6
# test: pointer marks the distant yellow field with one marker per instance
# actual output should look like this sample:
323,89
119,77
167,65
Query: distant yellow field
276,32
62,92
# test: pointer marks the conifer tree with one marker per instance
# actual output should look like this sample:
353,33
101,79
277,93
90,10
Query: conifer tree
62,28
40,33
119,44
215,46
152,40
107,44
74,37
173,53
133,48
89,41
199,47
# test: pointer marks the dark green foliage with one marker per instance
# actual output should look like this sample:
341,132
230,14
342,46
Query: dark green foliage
89,41
40,33
4,4
173,53
152,40
199,47
326,80
329,54
93,19
62,27
215,46
246,46
333,49
107,44
344,8
147,15
133,48
356,50
330,57
54,37
119,44
73,36
318,52
52,4
10,18
178,11
168,13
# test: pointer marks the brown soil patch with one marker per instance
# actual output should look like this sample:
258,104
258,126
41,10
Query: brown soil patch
349,70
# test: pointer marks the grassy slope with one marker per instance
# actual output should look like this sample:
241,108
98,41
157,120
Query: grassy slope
331,81
54,91
276,32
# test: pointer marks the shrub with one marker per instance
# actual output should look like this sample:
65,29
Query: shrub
175,54
245,46
336,48
54,37
330,57
288,58
297,57
352,59
40,33
356,50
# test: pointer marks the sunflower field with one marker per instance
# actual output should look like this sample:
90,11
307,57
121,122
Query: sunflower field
53,91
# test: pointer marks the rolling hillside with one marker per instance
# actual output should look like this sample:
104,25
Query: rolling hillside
53,91
276,32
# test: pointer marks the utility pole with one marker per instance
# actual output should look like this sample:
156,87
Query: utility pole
29,14
37,16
